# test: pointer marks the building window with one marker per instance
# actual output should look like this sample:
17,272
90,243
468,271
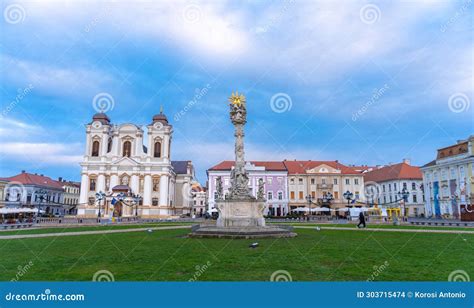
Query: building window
415,199
300,180
356,181
395,186
91,201
157,150
335,181
300,195
156,184
127,149
292,181
292,195
92,185
389,187
405,186
413,186
336,195
95,148
269,180
312,181
313,194
280,195
270,195
109,145
280,181
348,181
383,188
323,181
154,201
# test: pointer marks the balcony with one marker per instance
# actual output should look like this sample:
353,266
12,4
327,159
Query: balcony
325,186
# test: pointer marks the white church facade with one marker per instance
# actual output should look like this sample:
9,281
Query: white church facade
133,179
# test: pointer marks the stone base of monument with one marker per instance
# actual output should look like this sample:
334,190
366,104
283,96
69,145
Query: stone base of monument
241,219
204,231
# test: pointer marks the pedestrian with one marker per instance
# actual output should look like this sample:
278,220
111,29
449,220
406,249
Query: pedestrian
361,220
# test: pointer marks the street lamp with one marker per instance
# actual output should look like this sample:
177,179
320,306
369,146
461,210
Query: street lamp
309,198
99,197
404,196
348,196
136,199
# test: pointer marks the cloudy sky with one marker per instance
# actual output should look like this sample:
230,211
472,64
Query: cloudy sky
358,81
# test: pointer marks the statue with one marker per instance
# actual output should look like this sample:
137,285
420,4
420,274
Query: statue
261,192
239,179
219,189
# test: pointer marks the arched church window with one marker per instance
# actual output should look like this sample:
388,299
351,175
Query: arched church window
109,145
157,152
95,148
127,149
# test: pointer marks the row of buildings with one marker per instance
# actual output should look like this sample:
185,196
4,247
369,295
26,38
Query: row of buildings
51,197
128,171
441,188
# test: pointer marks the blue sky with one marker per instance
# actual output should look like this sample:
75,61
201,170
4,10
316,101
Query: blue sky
361,82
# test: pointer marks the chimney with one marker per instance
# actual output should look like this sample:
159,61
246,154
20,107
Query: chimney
60,179
407,161
23,171
41,174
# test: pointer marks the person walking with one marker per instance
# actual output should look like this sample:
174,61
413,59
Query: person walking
361,220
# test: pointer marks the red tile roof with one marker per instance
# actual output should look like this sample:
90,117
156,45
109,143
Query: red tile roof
269,165
35,179
301,166
394,172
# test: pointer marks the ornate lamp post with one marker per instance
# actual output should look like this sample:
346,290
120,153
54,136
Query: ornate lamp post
309,198
99,197
348,196
404,196
136,200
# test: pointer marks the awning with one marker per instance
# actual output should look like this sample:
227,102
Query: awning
17,210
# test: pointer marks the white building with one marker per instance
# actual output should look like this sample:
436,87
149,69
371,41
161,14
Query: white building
449,182
36,191
384,187
117,161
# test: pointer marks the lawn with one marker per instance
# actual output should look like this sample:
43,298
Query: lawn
168,255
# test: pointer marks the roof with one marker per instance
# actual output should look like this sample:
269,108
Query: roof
180,166
301,166
26,178
431,163
101,117
399,171
453,150
269,165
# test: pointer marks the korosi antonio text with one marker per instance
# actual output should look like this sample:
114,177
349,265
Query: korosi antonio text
440,295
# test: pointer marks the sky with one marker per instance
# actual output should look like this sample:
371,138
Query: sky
362,82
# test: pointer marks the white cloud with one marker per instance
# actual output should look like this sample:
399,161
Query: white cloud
50,79
21,142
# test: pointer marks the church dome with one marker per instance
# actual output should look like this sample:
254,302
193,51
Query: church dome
161,118
101,117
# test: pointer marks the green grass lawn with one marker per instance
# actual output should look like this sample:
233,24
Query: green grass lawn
168,255
75,228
